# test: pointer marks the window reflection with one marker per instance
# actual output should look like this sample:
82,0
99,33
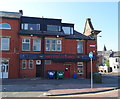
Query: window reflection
53,28
27,26
5,26
68,30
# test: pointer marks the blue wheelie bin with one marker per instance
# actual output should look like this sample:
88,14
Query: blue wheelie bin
74,76
51,74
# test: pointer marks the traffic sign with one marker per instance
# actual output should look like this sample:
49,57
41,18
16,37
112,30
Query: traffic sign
91,55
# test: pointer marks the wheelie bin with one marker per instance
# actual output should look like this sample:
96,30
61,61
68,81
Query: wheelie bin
51,74
59,74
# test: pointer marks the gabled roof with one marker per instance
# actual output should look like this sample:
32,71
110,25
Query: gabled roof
89,29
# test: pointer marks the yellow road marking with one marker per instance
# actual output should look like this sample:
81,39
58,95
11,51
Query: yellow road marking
85,95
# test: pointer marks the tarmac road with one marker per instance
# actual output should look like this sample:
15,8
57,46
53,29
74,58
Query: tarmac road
36,87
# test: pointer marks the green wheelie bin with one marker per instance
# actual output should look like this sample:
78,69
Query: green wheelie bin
59,74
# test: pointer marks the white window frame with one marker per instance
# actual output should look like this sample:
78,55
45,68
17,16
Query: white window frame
58,43
37,44
67,30
30,64
25,64
48,49
53,45
80,64
25,26
24,41
2,44
79,46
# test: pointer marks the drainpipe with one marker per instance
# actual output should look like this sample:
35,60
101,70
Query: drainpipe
43,52
86,62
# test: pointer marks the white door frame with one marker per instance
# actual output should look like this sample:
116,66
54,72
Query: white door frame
5,69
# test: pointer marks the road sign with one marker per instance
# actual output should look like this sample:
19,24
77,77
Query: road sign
91,55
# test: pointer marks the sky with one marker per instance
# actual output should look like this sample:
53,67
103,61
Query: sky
104,15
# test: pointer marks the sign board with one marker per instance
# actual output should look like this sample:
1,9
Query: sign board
92,45
91,55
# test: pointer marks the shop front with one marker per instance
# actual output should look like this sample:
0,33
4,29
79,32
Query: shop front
57,62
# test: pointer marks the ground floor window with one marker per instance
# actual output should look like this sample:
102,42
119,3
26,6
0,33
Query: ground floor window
24,63
80,67
47,62
31,64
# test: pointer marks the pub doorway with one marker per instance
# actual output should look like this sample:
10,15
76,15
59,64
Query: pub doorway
38,68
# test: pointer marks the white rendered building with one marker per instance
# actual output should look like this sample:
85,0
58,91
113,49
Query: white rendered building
115,64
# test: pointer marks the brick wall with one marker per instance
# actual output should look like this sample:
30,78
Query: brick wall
13,54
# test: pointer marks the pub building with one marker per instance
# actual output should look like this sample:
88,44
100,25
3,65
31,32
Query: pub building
31,46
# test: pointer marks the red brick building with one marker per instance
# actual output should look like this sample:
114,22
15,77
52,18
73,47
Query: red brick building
30,46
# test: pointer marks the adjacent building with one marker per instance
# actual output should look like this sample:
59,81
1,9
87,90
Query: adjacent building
115,62
31,46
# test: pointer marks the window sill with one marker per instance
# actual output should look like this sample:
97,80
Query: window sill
6,29
23,68
25,50
80,53
37,51
4,50
80,73
31,68
53,51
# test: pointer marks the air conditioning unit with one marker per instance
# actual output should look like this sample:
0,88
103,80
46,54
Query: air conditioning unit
38,62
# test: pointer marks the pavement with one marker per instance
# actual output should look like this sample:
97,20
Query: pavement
37,87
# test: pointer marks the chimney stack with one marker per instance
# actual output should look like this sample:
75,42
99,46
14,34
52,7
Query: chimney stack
21,12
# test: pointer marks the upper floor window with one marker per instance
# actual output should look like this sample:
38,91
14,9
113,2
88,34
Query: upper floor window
5,43
53,45
5,26
37,44
68,30
27,26
26,44
53,28
80,47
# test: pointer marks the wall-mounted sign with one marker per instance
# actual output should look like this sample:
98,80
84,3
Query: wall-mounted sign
59,57
92,45
38,62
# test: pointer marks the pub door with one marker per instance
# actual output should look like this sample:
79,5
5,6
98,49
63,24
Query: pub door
38,68
67,72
